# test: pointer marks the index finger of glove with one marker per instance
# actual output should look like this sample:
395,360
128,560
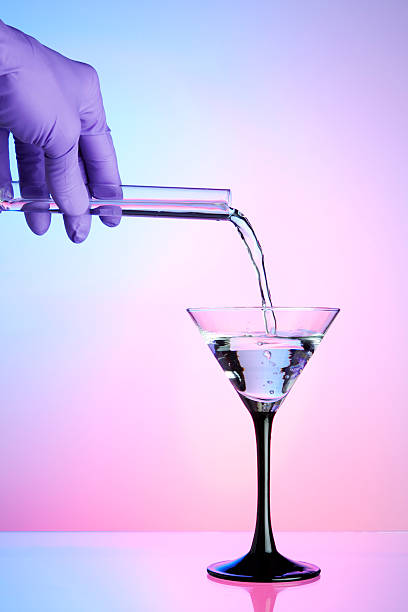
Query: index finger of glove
101,165
102,171
96,146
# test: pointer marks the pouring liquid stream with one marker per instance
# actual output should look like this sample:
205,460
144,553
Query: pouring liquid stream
256,255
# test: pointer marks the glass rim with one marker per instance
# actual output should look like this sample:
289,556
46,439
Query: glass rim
265,308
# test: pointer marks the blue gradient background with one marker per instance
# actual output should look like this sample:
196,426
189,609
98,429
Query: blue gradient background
113,413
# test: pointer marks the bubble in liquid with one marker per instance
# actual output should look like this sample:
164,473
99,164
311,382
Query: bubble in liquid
267,354
270,382
272,392
260,343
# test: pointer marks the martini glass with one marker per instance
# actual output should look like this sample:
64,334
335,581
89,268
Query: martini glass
262,351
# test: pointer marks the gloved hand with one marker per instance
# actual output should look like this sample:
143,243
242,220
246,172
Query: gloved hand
53,107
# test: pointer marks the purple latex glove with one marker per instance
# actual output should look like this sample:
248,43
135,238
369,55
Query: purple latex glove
53,107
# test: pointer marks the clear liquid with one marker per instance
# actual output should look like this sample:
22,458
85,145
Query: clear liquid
253,245
256,255
262,368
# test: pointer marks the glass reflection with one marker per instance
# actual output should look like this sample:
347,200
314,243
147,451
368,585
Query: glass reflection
263,595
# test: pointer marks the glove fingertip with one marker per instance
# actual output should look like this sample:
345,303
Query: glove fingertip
77,227
110,215
38,222
6,192
111,221
77,237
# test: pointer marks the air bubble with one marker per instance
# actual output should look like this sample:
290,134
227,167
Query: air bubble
267,354
272,392
270,382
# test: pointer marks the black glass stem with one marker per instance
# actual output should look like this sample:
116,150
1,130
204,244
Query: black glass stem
263,541
263,563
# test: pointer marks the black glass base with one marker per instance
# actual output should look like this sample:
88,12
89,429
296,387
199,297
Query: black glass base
268,567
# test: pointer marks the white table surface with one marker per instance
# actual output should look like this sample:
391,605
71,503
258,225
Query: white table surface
158,572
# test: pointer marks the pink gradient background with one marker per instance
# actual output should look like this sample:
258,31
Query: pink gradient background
114,415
